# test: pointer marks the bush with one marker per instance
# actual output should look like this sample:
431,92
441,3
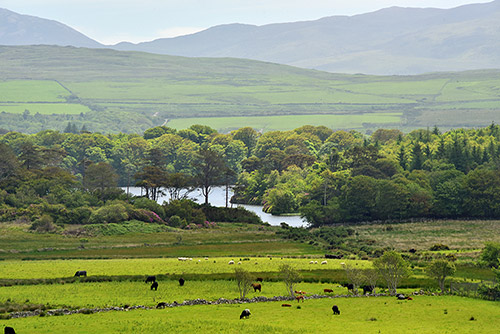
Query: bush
491,254
44,224
176,221
146,203
114,213
186,210
230,215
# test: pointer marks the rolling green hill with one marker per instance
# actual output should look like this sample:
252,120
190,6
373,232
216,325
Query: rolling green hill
110,91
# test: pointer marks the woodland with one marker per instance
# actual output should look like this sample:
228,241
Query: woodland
328,177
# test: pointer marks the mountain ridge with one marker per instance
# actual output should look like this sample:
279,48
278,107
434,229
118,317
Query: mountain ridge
390,41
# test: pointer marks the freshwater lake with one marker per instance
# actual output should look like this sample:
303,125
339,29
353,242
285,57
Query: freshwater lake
217,197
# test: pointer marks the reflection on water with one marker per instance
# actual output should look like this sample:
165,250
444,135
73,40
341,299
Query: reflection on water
218,198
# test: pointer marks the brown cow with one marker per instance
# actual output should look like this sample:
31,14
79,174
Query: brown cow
256,286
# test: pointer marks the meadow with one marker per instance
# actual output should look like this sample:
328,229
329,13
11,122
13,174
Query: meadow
284,123
424,314
117,279
140,90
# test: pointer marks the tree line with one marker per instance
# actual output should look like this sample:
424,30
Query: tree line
327,176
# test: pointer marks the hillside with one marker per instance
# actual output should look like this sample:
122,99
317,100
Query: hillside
47,87
17,29
389,41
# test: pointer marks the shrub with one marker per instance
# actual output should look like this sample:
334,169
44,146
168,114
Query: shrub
175,221
114,213
146,203
230,215
491,254
186,209
44,224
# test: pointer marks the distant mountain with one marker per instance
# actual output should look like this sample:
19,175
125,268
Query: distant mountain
17,29
389,41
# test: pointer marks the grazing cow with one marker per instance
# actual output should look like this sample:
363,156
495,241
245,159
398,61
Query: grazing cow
286,305
256,286
231,262
181,281
367,289
150,279
335,310
349,286
154,286
333,256
299,298
328,290
81,273
245,314
161,305
9,330
324,262
259,279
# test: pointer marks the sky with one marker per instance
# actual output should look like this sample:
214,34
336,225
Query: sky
113,21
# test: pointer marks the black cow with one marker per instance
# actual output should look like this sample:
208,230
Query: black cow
335,310
367,289
161,305
9,330
245,314
150,279
154,286
333,256
81,273
181,281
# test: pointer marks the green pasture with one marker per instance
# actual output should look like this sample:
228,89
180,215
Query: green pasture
32,91
424,314
44,108
157,266
283,123
16,242
457,234
107,294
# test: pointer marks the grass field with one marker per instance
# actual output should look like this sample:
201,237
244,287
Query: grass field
283,123
164,266
424,314
158,88
118,280
469,235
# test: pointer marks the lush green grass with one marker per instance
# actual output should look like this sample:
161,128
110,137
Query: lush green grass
154,88
105,294
44,108
283,123
32,90
358,315
170,266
